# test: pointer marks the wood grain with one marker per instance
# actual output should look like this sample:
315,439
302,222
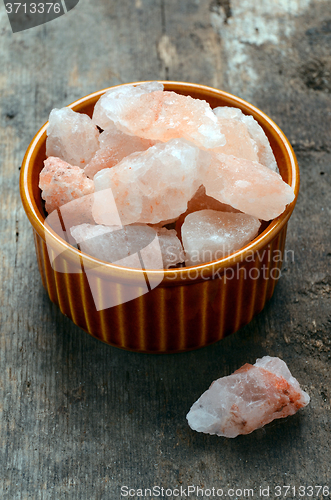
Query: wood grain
80,419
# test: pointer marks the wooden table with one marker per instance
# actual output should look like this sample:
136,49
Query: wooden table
80,419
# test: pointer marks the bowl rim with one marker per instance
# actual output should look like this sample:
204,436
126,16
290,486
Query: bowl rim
175,276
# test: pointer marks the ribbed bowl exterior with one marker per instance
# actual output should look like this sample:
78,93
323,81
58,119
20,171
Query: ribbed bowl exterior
173,318
201,305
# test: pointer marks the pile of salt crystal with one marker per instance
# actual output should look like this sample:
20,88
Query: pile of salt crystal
162,158
248,399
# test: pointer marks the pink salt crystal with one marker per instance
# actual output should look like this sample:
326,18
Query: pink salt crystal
201,201
209,235
61,183
262,147
248,399
247,185
71,136
161,116
151,186
113,101
238,141
114,146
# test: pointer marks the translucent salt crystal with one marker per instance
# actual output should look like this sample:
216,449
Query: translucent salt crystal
200,201
238,141
151,186
262,147
209,235
115,100
61,183
247,186
71,136
160,116
114,146
158,249
248,399
171,247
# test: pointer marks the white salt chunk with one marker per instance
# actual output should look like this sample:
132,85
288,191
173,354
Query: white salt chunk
158,249
171,247
210,235
71,136
261,144
151,186
248,399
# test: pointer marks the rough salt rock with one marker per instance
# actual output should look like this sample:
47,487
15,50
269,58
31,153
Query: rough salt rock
149,187
201,201
71,136
61,183
247,186
261,144
171,247
114,146
238,140
248,399
116,99
209,235
159,249
160,116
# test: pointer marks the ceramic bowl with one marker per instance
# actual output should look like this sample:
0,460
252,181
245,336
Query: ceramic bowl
172,310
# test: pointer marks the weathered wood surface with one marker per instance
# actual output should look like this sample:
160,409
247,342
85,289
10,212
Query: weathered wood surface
80,419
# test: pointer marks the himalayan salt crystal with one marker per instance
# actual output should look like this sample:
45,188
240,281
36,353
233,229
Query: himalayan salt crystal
262,147
71,136
209,235
238,141
61,183
114,100
201,201
149,187
160,116
116,243
248,399
247,186
114,146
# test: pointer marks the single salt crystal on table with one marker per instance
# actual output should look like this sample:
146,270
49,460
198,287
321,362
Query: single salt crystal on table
247,185
209,235
115,243
114,146
248,399
160,116
151,186
262,147
71,136
61,183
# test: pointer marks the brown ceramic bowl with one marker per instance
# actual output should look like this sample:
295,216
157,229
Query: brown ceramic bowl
185,308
